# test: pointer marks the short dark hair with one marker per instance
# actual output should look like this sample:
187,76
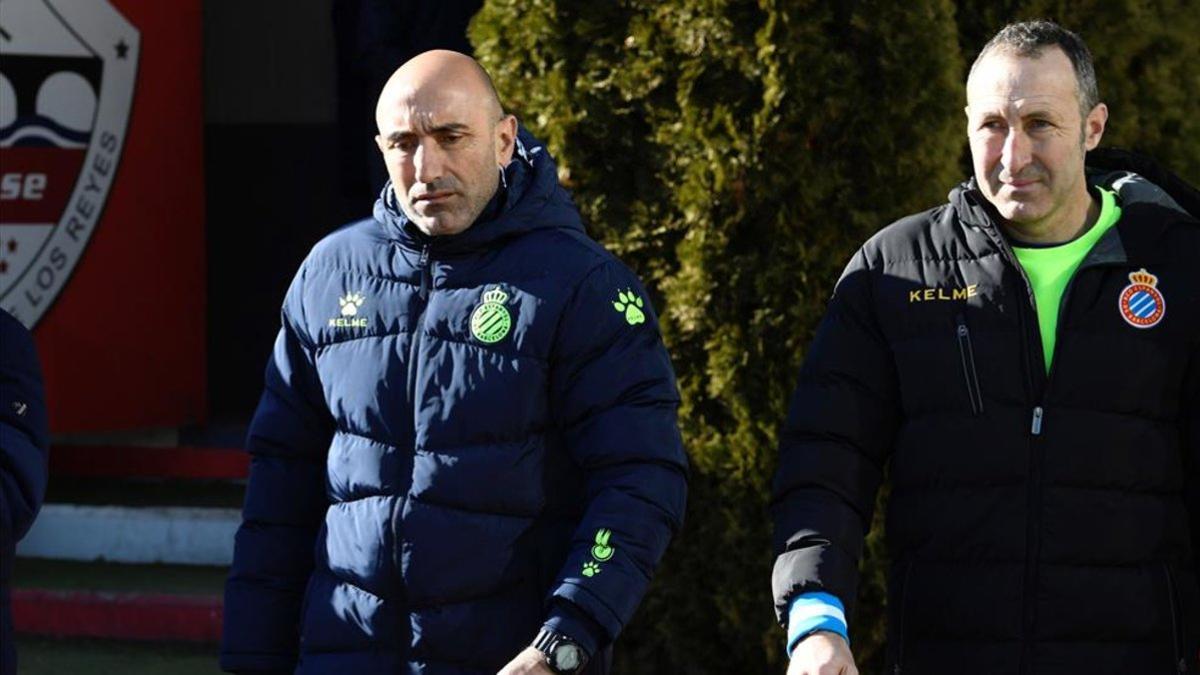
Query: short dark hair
1031,38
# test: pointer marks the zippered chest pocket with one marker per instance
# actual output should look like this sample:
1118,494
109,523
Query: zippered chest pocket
970,374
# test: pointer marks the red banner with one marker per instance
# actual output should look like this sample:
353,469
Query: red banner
102,206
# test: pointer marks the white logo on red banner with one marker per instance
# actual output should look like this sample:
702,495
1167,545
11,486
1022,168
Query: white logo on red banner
67,73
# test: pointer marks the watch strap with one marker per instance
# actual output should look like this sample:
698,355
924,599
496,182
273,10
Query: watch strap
549,641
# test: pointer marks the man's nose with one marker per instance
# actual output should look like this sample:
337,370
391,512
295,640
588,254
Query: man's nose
1017,152
428,162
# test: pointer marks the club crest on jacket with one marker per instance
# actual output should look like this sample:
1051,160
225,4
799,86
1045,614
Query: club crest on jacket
1141,303
491,321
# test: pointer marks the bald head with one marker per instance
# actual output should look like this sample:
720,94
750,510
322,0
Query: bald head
440,70
445,139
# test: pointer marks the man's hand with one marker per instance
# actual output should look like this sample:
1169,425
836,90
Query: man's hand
822,653
533,662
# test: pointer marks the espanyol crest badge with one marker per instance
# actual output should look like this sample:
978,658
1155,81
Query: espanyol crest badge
491,320
67,72
1141,303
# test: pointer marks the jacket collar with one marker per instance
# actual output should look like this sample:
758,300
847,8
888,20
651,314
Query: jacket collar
1147,212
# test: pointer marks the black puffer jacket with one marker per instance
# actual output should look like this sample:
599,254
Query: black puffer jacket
1037,524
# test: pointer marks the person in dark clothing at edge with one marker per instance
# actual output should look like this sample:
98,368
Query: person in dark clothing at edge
1026,361
24,449
466,459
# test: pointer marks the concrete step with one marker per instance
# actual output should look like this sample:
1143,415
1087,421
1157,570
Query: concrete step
150,534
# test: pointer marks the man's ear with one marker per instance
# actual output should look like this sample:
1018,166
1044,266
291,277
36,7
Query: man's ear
505,139
1093,126
380,144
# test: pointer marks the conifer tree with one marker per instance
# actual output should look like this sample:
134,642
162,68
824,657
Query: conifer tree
734,153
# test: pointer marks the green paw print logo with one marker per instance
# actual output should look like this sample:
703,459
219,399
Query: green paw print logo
591,569
630,304
602,551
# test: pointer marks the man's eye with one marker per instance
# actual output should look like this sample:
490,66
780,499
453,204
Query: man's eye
1040,124
992,125
450,139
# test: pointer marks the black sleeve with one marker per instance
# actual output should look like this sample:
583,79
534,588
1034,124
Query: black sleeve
839,432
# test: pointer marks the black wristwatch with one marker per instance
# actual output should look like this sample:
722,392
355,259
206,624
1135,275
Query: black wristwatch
563,655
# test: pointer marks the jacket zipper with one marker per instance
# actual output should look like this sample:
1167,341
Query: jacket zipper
1033,533
1033,494
415,340
898,667
1036,457
1033,543
423,266
1034,355
413,351
1180,665
967,355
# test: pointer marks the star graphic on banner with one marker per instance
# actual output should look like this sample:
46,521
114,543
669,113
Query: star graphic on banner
122,49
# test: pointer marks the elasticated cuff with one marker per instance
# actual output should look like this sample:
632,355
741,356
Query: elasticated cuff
569,620
811,612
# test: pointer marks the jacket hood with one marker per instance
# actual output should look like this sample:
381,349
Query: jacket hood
529,198
1135,189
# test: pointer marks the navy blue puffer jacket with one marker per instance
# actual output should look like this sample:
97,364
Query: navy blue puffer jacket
448,426
24,447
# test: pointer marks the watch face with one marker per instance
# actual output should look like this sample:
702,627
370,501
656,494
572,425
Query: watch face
567,657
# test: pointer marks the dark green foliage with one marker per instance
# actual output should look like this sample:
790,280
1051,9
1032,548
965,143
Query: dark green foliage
735,154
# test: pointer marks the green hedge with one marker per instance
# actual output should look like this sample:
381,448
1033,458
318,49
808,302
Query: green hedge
735,154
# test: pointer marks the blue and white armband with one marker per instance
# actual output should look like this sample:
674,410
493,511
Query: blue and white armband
811,612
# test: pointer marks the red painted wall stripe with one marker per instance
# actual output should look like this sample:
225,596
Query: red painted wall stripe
117,616
141,462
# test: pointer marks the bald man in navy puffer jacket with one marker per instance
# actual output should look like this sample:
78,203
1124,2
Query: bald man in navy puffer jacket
466,460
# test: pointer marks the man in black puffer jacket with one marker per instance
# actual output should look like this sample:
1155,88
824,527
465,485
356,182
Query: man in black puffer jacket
1026,359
